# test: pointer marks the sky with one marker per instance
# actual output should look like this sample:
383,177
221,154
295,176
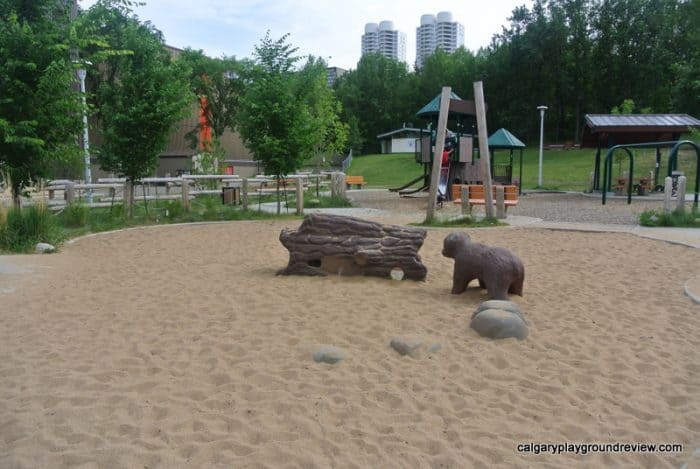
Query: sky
328,29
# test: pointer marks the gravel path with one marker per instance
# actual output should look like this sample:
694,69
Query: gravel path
555,207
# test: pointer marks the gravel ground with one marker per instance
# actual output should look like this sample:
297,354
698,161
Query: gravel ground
555,207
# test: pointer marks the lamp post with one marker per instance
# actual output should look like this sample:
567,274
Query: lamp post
539,171
86,144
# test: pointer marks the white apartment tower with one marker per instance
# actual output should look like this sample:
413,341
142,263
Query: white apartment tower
437,33
382,38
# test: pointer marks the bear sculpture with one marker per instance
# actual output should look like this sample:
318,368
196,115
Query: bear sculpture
498,270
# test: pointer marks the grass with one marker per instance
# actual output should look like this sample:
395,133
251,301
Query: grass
687,219
566,170
464,221
21,230
391,170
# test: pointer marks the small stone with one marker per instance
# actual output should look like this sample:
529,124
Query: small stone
405,346
434,348
499,324
45,248
499,304
328,354
396,273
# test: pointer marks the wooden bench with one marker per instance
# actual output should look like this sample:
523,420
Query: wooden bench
477,197
358,181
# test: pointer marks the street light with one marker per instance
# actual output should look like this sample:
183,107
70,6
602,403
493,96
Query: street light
86,144
539,172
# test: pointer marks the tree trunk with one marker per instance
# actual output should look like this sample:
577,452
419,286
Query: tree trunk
341,245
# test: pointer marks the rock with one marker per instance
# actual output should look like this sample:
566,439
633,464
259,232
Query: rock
405,346
500,304
328,354
499,324
396,273
434,348
45,248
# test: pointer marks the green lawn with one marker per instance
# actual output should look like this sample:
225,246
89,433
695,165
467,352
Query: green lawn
561,169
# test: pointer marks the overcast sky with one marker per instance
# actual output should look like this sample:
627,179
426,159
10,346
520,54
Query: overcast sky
328,29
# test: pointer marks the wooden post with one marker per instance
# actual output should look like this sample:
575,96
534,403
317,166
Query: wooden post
300,196
437,153
126,197
244,194
680,202
69,193
464,197
668,188
500,203
484,147
338,185
185,195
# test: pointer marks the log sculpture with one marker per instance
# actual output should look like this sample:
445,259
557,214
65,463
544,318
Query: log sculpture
342,245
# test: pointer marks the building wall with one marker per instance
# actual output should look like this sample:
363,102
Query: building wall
382,38
437,32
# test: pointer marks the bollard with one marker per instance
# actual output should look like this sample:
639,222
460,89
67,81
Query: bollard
300,196
680,201
69,193
244,194
668,184
464,196
338,184
500,203
186,195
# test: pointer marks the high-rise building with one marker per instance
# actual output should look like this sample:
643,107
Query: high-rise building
333,73
439,32
382,38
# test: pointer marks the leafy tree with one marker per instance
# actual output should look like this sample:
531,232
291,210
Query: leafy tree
328,133
219,85
378,96
274,121
139,96
39,111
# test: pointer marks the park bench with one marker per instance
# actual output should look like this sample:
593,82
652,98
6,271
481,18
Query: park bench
476,194
358,181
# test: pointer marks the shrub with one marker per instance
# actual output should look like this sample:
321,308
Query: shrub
75,215
688,219
23,228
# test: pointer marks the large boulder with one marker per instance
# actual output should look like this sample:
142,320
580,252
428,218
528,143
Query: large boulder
499,324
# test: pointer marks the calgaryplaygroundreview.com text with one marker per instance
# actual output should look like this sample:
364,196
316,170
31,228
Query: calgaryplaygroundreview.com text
586,448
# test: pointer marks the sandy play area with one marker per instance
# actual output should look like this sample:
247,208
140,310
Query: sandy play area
178,347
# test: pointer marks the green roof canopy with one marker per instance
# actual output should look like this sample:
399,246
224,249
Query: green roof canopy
504,139
433,107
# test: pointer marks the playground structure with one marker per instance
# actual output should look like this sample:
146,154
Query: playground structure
463,161
672,165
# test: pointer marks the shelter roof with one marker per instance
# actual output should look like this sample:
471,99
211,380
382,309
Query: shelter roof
457,107
502,138
640,122
403,129
614,129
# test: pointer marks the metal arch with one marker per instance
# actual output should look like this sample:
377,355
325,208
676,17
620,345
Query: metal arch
673,164
607,171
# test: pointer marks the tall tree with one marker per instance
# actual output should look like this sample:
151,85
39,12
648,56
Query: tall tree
39,111
219,82
328,133
274,122
139,95
378,96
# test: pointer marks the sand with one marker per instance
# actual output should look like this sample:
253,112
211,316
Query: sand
179,347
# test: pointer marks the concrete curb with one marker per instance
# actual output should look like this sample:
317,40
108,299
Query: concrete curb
691,289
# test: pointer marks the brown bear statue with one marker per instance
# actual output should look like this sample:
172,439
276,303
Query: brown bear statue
498,270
